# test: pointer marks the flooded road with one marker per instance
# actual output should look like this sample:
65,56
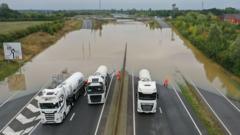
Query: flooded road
159,50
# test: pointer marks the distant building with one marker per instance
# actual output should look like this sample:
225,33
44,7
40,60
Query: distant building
231,18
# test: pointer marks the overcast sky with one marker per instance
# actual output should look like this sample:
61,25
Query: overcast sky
118,4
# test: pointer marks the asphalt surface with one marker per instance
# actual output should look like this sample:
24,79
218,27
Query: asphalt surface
82,120
226,112
10,109
170,119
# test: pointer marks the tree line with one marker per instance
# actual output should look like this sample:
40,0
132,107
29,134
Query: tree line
217,39
7,14
50,28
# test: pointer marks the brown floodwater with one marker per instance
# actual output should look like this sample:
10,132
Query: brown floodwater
159,50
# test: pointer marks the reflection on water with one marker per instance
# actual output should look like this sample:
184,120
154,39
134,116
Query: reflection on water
84,50
221,79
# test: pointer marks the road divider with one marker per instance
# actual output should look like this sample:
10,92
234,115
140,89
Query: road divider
133,94
196,126
202,109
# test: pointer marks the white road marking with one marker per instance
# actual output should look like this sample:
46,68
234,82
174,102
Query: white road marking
72,117
160,110
100,117
32,108
85,94
34,128
133,93
10,131
24,120
39,117
234,106
22,108
198,91
26,131
9,98
200,133
37,97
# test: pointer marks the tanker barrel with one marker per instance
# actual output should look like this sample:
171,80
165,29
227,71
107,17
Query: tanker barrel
144,75
102,70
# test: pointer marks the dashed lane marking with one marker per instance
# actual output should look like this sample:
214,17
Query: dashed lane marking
160,110
72,116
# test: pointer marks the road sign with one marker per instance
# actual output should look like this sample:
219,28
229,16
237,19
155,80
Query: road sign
12,50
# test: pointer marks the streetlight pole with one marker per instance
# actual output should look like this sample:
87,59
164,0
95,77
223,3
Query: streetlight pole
100,4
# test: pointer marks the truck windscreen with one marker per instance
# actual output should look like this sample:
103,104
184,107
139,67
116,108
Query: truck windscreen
95,89
48,105
147,96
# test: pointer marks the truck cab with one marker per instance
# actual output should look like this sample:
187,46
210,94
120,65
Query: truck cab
55,103
96,89
147,93
54,107
97,85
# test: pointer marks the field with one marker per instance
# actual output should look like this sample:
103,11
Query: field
7,27
33,44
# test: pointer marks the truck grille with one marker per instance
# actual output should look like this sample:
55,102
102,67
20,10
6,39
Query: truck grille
147,107
49,116
96,98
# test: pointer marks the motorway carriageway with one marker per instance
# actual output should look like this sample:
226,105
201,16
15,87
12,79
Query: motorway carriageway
173,116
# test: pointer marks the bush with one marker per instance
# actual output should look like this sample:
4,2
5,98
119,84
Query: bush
50,28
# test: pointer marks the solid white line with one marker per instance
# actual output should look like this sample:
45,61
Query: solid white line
26,131
9,98
72,117
211,108
133,93
234,106
160,110
100,117
200,133
34,128
22,108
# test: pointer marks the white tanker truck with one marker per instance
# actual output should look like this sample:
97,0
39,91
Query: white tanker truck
56,103
97,86
147,93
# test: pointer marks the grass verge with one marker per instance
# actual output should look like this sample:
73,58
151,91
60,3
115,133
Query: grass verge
35,43
201,110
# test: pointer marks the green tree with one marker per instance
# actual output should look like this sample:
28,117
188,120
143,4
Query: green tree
215,41
235,56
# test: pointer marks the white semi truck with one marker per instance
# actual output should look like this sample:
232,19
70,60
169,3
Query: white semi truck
56,103
147,93
97,86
